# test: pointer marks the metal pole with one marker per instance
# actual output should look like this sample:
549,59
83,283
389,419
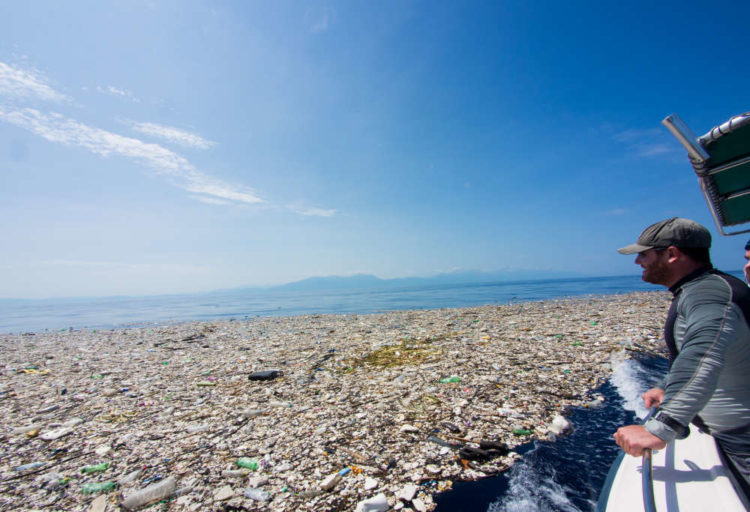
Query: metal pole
649,504
686,137
647,479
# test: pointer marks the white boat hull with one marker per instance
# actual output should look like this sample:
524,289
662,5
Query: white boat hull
688,475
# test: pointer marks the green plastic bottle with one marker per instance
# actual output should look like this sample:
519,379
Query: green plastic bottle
450,380
246,462
521,432
100,487
96,468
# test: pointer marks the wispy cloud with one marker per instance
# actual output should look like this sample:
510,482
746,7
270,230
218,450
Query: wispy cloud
118,91
646,143
318,19
174,135
312,211
21,84
654,149
634,135
321,25
57,128
17,84
210,200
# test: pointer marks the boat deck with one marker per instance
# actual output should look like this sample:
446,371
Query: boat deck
688,475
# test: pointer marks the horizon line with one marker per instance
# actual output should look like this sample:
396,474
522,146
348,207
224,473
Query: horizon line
281,285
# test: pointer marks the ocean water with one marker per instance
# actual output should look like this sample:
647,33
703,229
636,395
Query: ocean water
565,475
112,312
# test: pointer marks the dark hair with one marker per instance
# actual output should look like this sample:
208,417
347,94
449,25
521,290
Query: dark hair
747,246
697,254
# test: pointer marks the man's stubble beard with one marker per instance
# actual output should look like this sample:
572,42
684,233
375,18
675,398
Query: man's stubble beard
657,273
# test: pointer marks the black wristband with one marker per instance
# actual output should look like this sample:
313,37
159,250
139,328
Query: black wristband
681,430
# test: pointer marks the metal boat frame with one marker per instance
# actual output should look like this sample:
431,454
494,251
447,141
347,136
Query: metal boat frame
721,160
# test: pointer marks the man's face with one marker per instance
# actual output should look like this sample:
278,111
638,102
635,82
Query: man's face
747,266
654,264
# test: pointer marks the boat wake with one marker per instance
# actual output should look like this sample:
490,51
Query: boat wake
566,475
534,487
632,377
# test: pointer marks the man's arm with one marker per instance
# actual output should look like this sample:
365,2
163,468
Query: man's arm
710,322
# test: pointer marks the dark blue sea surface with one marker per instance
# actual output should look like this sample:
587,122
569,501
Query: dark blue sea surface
567,474
110,312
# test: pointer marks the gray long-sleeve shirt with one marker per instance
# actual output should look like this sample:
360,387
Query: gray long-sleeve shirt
710,374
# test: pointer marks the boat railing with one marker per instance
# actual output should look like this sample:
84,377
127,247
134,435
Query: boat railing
647,477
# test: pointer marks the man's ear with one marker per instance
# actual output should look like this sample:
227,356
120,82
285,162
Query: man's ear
673,254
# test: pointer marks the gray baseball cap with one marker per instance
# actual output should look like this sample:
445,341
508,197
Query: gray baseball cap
675,231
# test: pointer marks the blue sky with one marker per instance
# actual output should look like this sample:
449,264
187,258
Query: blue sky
161,147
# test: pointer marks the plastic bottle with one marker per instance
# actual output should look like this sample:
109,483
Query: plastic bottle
47,481
521,432
150,494
197,428
333,480
450,380
252,413
181,492
27,428
130,477
56,482
96,468
26,467
276,403
55,434
257,494
330,482
234,473
99,487
246,462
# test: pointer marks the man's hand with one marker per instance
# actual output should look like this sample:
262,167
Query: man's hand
633,439
653,397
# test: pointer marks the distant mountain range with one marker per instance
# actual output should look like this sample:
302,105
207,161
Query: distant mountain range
368,281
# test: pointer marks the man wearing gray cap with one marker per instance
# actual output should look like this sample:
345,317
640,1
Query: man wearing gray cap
708,338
